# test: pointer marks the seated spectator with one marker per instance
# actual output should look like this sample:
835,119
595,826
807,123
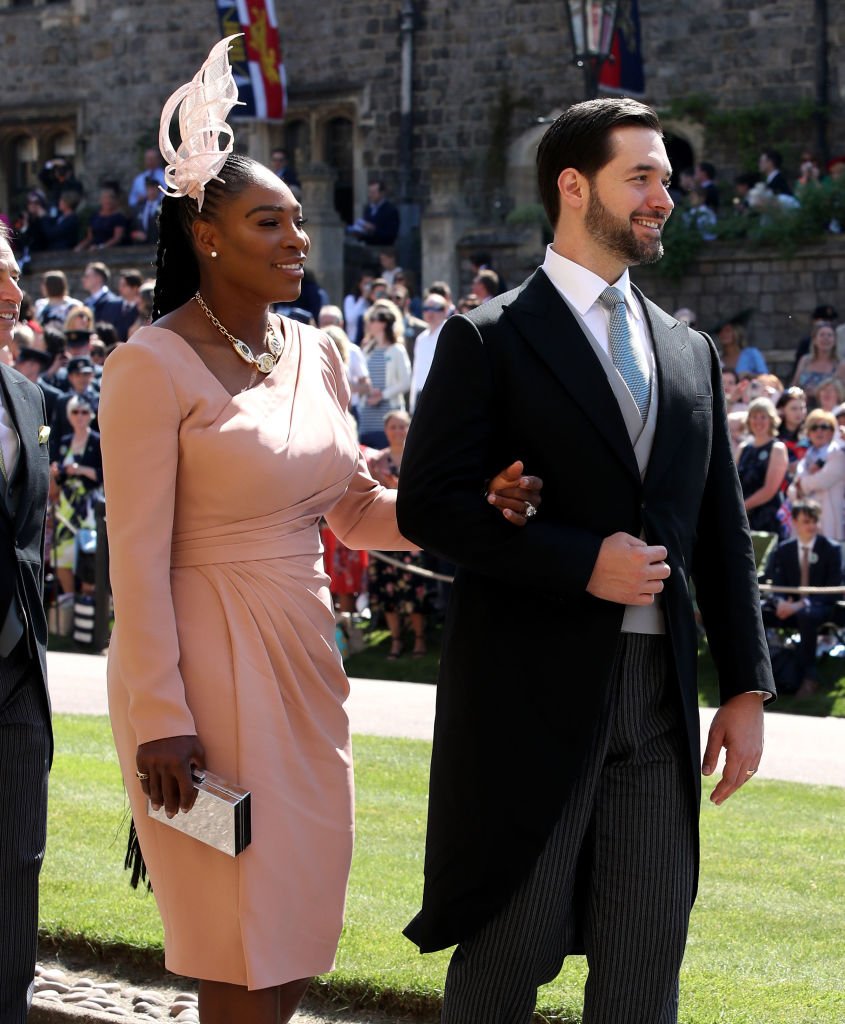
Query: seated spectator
56,303
820,362
705,183
773,177
379,221
808,559
823,314
57,177
830,393
33,223
736,390
761,464
143,228
63,229
109,226
736,353
700,216
821,472
138,190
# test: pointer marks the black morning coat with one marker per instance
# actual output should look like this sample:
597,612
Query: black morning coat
527,652
22,536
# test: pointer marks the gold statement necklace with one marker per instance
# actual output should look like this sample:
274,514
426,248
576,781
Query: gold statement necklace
263,363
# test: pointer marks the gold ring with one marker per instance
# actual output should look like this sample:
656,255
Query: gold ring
142,776
751,771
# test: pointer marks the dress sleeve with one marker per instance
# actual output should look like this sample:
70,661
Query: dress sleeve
140,454
365,517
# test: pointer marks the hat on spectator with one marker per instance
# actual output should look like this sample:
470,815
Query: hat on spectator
27,354
825,312
73,339
737,320
80,364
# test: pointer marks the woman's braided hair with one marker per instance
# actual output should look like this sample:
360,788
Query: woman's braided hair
177,269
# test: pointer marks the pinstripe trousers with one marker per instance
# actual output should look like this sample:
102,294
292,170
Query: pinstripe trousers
619,867
24,763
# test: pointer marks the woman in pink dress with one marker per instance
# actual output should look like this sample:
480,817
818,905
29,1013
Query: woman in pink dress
223,654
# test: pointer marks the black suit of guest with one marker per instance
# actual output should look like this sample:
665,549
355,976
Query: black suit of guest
385,220
531,786
25,734
783,569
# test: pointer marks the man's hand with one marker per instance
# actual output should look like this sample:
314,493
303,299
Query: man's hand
512,493
738,727
628,571
786,609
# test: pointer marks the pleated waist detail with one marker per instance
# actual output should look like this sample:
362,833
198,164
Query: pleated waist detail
266,537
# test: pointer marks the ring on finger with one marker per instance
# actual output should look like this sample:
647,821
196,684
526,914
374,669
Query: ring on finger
530,510
751,771
142,776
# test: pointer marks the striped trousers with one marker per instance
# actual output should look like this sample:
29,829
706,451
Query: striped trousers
618,871
24,763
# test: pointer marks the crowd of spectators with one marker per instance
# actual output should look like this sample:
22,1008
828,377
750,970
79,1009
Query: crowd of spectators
704,202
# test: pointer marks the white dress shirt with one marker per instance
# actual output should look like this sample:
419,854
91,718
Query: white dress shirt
9,440
581,289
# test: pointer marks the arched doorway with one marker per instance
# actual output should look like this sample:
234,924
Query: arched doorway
339,154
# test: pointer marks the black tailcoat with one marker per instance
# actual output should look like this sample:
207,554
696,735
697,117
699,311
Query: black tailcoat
527,651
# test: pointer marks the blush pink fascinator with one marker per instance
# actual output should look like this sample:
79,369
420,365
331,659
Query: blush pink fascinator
203,105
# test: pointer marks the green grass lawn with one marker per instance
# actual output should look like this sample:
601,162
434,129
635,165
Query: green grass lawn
766,936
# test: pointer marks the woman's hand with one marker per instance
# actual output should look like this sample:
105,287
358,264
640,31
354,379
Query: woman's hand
168,763
513,494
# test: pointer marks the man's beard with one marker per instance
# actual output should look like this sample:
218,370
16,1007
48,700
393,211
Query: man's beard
617,235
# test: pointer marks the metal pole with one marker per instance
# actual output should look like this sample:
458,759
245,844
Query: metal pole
822,80
407,213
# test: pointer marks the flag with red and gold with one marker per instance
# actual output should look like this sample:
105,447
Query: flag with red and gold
256,57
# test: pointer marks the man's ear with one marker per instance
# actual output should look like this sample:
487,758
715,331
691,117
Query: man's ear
573,188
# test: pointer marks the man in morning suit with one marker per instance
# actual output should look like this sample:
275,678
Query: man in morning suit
806,560
25,735
563,812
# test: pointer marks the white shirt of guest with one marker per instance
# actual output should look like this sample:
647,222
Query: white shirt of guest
9,440
424,348
582,288
356,370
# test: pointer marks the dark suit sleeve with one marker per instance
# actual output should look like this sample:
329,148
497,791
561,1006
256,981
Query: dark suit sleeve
451,451
724,568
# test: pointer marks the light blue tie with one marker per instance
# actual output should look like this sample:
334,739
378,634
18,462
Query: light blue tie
627,359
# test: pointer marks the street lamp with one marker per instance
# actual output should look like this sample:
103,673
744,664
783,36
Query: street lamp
591,23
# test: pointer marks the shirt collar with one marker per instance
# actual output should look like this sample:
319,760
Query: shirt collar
581,286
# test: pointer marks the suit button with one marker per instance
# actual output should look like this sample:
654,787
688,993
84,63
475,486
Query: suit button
642,505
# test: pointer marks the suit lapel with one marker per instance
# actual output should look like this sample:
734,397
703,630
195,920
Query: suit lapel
547,324
26,418
675,374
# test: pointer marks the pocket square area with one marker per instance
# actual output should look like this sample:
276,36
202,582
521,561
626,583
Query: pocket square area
43,435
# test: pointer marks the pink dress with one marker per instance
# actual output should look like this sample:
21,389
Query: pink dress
224,628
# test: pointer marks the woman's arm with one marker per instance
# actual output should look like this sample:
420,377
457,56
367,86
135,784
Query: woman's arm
399,377
799,369
830,474
775,472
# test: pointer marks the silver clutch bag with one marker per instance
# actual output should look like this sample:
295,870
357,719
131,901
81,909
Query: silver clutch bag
220,816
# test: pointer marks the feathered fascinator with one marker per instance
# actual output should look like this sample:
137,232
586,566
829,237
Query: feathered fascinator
203,104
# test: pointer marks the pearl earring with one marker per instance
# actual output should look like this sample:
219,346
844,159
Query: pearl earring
214,254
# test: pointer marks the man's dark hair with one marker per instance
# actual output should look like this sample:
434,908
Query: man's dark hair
708,168
749,178
490,280
134,278
380,184
775,156
55,283
808,507
54,339
580,138
106,332
102,270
